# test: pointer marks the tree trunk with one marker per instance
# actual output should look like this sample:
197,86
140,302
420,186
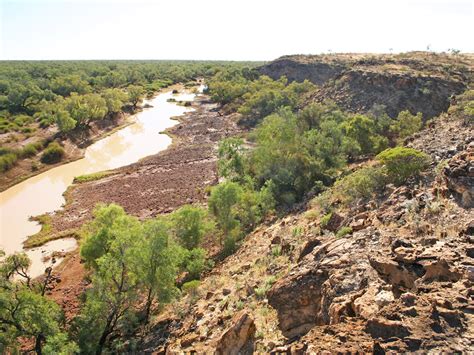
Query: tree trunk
105,334
149,301
38,344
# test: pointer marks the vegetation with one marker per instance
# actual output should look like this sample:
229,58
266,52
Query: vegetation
53,153
402,163
406,124
136,267
91,177
26,313
73,94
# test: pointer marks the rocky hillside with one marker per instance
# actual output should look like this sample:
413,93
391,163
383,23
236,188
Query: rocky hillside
401,277
419,82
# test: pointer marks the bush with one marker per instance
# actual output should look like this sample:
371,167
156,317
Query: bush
343,231
190,225
195,263
31,149
406,124
7,161
325,220
191,287
52,154
402,163
361,184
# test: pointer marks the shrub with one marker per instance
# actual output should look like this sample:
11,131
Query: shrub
190,225
230,245
402,163
325,220
53,153
7,161
406,124
191,287
195,263
361,184
31,149
343,231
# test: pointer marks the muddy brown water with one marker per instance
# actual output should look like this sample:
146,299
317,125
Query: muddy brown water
43,193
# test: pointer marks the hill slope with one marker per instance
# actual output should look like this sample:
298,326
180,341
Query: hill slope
419,81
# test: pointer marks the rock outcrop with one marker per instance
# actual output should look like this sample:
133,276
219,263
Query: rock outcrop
418,82
459,177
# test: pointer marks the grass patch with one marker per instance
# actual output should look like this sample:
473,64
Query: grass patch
46,233
91,177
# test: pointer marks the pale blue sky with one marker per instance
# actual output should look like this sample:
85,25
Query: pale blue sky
228,29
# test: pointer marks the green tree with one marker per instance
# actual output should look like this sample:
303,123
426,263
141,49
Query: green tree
190,225
222,202
363,130
231,160
115,99
64,121
65,85
22,96
86,108
194,262
99,233
110,302
155,262
406,124
135,94
24,311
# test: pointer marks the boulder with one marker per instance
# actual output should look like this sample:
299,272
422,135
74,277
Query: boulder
396,274
385,328
334,222
238,338
297,299
459,177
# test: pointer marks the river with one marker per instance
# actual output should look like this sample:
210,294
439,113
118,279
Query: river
43,193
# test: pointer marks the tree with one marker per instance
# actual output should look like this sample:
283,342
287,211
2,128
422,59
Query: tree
224,197
155,262
190,225
22,96
64,121
65,85
115,99
99,233
406,124
231,160
194,262
24,311
135,94
363,130
109,303
85,108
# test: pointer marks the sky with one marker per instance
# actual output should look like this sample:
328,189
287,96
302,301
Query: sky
229,29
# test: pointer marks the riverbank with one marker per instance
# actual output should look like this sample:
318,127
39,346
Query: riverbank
74,145
157,184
